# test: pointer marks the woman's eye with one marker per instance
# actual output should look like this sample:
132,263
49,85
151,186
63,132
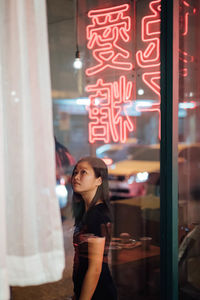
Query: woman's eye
83,172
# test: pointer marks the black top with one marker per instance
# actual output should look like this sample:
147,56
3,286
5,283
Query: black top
96,222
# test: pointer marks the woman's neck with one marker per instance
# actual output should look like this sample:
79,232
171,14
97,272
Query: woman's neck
88,201
88,197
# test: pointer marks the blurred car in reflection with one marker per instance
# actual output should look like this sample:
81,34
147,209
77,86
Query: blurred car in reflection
111,153
141,170
128,178
65,162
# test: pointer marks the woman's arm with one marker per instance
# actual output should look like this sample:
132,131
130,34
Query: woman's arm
95,258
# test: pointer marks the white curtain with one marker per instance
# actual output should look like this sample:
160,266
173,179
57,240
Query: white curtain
31,241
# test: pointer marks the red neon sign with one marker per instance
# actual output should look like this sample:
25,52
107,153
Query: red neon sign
108,111
109,101
109,27
150,33
109,30
150,79
149,59
186,10
184,57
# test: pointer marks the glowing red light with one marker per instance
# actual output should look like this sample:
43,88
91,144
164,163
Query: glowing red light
152,80
194,104
185,3
108,31
109,27
149,58
110,119
186,10
150,33
109,101
185,57
183,72
185,32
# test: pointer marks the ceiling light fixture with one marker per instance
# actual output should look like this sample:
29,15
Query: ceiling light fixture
77,62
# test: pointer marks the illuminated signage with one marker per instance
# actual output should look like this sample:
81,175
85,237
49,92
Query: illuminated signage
109,26
149,59
109,101
108,36
184,57
150,34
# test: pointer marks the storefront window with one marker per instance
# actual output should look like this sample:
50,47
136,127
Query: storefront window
110,108
189,151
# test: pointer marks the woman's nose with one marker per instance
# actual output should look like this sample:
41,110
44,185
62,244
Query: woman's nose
76,175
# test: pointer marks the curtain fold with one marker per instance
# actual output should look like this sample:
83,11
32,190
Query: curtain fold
31,233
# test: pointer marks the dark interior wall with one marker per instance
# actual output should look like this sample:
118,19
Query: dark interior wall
62,47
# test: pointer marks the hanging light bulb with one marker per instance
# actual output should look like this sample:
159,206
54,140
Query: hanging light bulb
77,62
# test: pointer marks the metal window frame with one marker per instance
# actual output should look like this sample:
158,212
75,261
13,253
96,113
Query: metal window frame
169,149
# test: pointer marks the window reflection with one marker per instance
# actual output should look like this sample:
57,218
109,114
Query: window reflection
133,166
189,155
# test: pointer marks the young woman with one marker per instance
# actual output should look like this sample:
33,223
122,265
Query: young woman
91,208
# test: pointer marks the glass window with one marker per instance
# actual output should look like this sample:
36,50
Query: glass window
189,151
110,109
148,154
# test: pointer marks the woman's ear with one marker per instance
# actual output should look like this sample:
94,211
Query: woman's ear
99,181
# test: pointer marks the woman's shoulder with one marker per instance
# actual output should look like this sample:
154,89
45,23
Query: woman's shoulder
98,220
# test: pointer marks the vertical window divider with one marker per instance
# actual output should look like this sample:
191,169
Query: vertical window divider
169,149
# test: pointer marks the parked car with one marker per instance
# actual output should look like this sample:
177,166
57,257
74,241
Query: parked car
111,153
127,178
140,171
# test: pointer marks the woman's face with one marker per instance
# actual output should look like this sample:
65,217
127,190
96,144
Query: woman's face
84,179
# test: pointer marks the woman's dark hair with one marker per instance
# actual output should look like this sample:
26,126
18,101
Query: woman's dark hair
102,193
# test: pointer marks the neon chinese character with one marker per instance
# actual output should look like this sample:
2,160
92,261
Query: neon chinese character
109,27
184,57
150,33
108,114
150,57
185,10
